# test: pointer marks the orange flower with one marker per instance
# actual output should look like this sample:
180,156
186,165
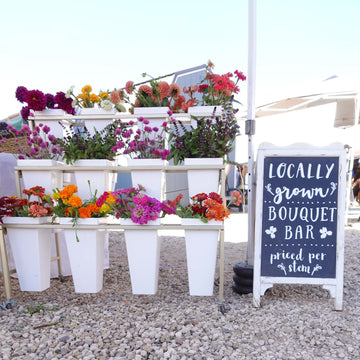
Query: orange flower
104,95
93,208
146,90
164,89
68,211
84,212
67,191
216,210
75,201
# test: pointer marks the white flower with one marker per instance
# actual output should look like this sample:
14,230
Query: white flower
106,104
271,231
69,92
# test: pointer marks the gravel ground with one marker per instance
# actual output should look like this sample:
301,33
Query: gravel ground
294,322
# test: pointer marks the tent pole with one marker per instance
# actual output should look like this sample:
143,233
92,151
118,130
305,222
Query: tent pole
250,124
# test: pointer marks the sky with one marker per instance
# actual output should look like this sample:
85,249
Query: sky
51,46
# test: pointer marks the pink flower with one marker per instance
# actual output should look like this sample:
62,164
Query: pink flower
164,89
129,87
115,97
37,210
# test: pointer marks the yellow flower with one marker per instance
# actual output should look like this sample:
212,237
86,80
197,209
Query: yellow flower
104,208
56,196
104,95
94,98
86,88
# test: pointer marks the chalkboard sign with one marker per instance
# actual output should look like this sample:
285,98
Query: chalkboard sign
300,207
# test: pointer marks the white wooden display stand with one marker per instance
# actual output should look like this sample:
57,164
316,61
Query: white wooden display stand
68,169
300,209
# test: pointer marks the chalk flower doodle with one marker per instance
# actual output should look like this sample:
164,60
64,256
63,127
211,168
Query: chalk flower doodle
271,231
325,232
333,187
316,268
282,267
268,188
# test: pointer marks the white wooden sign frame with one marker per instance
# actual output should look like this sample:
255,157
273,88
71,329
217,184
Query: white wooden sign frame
333,285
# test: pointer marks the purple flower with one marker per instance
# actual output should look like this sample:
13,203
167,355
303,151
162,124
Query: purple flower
140,215
64,103
36,100
146,122
147,129
25,113
46,129
155,129
50,101
20,93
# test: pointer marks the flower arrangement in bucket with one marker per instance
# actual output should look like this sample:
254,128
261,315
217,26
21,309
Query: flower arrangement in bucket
204,207
215,89
133,203
36,100
83,145
156,94
212,138
36,204
145,142
69,205
40,143
88,99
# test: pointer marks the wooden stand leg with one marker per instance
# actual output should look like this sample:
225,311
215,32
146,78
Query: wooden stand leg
5,265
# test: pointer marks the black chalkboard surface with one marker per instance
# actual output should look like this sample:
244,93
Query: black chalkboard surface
299,218
299,224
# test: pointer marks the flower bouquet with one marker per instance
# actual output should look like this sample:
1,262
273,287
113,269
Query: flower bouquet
37,204
69,205
204,207
36,100
83,145
85,246
156,94
212,138
88,99
204,210
31,246
134,207
40,143
133,203
145,147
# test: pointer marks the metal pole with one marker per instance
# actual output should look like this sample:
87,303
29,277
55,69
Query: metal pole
250,123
